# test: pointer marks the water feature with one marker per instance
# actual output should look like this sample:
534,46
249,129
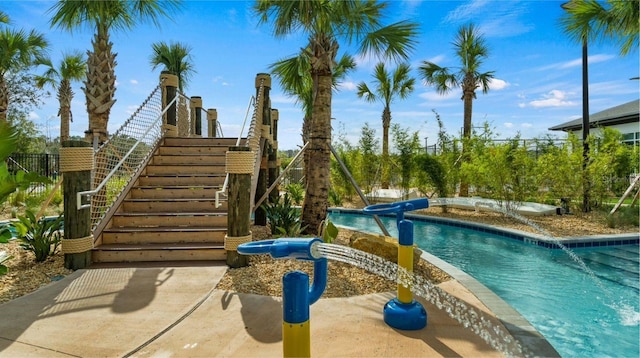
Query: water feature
468,316
547,287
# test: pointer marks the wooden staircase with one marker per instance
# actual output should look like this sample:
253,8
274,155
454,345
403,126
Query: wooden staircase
170,214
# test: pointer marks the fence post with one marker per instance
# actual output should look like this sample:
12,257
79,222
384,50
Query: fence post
76,164
212,118
260,217
239,166
196,116
169,89
274,167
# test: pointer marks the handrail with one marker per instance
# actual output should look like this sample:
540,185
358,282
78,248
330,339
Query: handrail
223,190
119,164
284,172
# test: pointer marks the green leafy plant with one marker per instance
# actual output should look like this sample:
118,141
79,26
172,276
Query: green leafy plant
335,199
296,191
329,232
4,257
10,182
40,236
283,217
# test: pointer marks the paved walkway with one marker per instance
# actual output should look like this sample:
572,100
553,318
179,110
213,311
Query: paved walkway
176,312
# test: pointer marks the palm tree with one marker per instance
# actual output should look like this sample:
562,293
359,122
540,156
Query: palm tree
325,22
618,21
295,77
176,58
103,16
18,50
387,87
470,47
72,67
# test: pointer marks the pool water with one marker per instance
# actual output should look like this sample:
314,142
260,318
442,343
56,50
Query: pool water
581,314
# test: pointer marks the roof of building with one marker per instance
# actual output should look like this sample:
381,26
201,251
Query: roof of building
624,113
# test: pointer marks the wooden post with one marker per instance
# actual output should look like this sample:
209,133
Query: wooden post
77,223
272,164
169,90
196,116
260,215
212,117
239,166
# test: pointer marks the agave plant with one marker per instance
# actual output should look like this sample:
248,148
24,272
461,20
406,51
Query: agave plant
40,236
4,257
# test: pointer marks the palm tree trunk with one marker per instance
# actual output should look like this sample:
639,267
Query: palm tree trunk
100,84
314,208
306,133
65,94
4,99
386,123
466,136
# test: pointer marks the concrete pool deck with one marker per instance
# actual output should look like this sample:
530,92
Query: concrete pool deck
177,312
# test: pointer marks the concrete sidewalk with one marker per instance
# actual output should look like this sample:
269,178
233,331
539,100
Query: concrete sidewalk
177,312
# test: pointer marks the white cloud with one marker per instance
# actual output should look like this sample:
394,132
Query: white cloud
33,116
464,12
526,125
577,62
555,98
133,82
508,124
347,85
498,84
522,105
436,59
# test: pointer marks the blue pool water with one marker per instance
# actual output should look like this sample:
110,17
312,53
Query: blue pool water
580,314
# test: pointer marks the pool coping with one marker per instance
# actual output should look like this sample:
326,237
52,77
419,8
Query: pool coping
517,325
582,241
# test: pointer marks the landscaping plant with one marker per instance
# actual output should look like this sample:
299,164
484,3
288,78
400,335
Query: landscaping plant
283,217
40,236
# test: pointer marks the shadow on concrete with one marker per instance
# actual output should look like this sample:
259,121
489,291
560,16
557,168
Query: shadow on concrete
120,290
261,315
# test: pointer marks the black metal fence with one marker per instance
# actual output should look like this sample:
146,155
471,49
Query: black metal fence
47,165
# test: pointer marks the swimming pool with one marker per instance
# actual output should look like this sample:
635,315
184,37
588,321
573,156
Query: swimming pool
580,315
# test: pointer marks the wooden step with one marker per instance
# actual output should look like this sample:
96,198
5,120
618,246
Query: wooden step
152,252
181,150
191,159
173,192
181,180
149,220
172,205
193,142
185,169
164,235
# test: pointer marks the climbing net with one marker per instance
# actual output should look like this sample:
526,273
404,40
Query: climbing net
125,153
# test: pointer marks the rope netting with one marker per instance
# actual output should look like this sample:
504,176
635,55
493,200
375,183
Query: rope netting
123,155
254,136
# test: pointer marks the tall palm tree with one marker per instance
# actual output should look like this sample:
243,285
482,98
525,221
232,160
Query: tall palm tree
471,49
295,77
18,50
617,21
72,67
176,58
104,16
325,22
387,87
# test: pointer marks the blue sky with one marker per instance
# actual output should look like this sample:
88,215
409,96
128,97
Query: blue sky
537,69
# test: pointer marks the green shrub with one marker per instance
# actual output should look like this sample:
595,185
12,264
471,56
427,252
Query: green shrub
335,199
296,191
624,216
283,217
40,236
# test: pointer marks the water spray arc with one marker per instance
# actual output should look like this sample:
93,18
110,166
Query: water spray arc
403,312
